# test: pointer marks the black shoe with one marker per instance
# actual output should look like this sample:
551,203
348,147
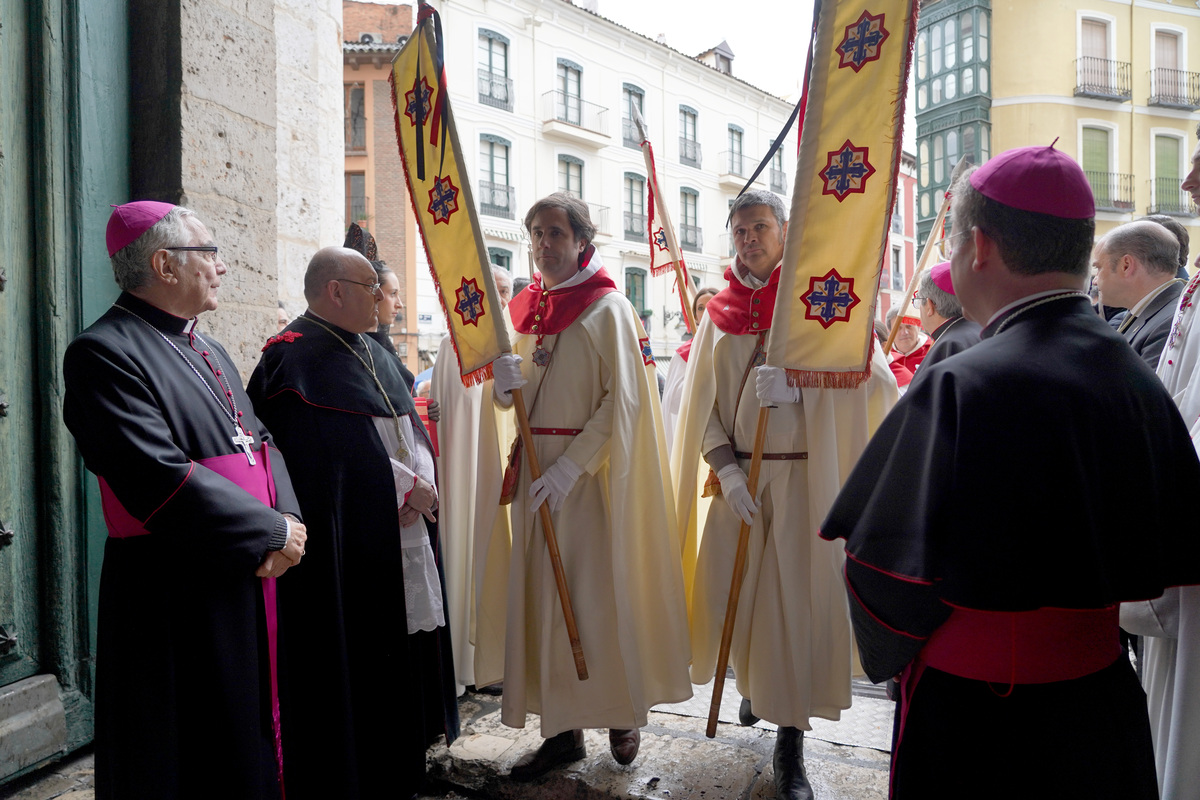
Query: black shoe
565,748
745,715
790,781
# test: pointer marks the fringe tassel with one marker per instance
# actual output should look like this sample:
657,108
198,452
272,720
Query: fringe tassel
807,379
658,270
477,377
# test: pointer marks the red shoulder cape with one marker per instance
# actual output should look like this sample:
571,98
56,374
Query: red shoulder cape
739,310
548,311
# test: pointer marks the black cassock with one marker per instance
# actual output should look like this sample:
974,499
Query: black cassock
183,684
950,338
1044,468
362,699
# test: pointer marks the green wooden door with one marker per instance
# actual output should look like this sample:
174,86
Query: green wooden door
19,586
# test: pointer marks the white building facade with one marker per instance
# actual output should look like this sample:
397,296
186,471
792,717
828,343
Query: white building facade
542,92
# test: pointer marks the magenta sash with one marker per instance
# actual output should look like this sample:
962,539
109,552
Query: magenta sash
256,480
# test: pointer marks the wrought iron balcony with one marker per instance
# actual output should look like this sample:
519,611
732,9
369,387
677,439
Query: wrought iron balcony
689,152
727,247
897,223
1167,198
733,163
357,208
599,215
691,238
573,110
778,181
495,90
1113,191
497,200
1102,78
635,226
1174,88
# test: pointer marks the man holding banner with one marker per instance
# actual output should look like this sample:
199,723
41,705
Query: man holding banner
597,431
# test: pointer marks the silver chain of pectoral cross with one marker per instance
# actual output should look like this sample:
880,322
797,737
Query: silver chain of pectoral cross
240,438
402,452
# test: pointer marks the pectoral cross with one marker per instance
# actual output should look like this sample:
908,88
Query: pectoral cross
244,440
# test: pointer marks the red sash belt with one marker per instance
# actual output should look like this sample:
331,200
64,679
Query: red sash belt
556,431
1043,646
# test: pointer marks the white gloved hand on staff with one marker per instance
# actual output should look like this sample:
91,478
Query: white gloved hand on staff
506,374
555,484
736,493
772,386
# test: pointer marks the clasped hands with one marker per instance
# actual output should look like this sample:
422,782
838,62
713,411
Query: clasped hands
277,562
423,499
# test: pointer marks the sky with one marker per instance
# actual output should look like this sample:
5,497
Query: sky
769,38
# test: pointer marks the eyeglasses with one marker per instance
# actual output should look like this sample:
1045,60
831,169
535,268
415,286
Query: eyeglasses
947,242
370,287
209,250
917,300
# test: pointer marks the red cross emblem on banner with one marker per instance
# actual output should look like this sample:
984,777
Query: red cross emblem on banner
862,41
443,200
470,302
847,171
418,103
829,299
647,353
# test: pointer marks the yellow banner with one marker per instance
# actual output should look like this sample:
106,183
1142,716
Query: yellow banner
842,201
442,201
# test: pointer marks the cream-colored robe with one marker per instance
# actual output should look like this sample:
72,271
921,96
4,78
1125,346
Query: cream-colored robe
614,532
1171,623
793,647
469,475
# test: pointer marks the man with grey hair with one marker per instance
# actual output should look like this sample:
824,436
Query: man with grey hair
791,642
201,520
597,432
1135,268
942,315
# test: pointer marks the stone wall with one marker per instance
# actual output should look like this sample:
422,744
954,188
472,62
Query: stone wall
309,138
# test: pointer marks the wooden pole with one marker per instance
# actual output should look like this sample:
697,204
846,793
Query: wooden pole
560,575
735,585
925,253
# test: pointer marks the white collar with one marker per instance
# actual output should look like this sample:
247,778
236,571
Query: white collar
594,265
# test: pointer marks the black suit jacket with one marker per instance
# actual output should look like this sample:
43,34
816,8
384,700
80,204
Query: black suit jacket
1147,332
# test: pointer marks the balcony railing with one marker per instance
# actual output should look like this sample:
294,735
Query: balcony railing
495,90
689,152
497,200
576,111
599,215
357,209
1112,190
732,163
629,134
691,238
1102,78
635,226
897,223
778,181
1174,88
1167,198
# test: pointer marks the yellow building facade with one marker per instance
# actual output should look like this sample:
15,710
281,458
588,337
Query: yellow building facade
1117,84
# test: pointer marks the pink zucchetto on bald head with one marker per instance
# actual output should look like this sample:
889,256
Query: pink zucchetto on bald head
131,220
1038,179
940,275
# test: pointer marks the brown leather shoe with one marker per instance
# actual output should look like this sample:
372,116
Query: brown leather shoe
565,748
624,744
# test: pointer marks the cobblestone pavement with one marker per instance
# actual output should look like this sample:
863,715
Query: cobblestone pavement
846,760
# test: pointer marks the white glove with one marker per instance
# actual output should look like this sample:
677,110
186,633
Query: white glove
772,387
555,484
736,493
506,374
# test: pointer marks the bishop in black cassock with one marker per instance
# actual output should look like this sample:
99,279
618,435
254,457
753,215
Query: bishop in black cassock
363,698
1013,498
194,498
